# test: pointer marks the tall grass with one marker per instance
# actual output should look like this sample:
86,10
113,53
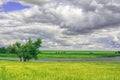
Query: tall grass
13,70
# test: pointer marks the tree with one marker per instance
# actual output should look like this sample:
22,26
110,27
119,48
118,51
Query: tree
2,50
117,52
25,51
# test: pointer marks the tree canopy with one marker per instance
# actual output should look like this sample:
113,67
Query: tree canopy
25,51
2,50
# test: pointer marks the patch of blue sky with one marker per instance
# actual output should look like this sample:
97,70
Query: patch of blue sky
13,6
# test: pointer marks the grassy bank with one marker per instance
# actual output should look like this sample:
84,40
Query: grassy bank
13,70
70,54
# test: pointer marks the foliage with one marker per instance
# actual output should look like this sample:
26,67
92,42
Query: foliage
2,50
25,51
117,52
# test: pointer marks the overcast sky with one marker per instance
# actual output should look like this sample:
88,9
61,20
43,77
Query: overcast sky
62,24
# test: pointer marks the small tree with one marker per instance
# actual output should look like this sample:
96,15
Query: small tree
25,51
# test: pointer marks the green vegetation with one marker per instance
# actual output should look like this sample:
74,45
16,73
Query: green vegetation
8,55
76,54
70,54
14,70
25,51
2,50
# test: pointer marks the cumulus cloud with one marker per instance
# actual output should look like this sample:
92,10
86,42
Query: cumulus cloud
79,16
35,2
95,15
1,2
81,24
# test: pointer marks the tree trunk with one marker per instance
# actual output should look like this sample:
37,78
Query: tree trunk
24,59
20,59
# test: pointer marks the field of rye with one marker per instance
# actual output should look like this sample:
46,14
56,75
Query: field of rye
14,70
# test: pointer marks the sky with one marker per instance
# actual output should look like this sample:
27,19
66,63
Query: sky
62,24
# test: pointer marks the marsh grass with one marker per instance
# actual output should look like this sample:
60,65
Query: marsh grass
13,70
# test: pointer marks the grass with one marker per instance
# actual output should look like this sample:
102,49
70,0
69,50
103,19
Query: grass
8,55
76,54
70,54
13,70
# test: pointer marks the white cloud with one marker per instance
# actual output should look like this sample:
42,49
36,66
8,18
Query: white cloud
35,2
79,19
78,24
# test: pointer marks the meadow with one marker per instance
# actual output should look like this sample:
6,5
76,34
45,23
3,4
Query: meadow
70,54
14,70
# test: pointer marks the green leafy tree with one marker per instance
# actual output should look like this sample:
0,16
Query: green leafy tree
2,50
25,51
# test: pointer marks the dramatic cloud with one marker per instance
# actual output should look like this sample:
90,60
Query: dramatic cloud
70,24
79,16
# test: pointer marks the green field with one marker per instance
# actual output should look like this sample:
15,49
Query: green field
77,54
70,54
13,70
